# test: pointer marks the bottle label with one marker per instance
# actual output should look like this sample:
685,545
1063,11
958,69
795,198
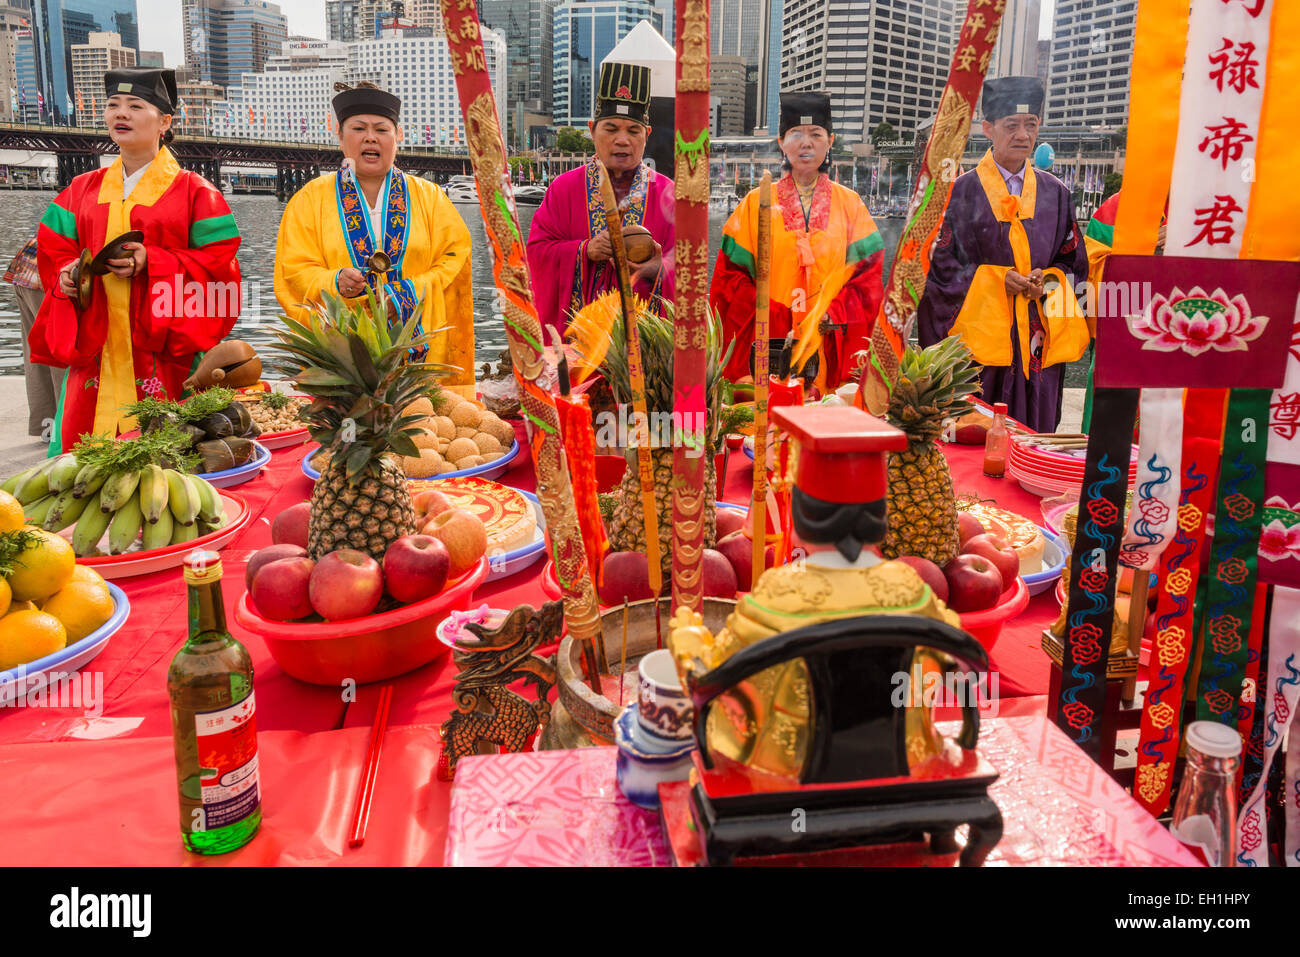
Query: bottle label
227,748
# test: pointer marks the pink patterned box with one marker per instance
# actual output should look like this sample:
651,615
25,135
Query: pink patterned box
563,808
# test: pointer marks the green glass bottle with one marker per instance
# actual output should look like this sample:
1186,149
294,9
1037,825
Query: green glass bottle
210,684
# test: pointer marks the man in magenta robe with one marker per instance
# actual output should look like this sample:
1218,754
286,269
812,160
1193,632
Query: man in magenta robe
569,252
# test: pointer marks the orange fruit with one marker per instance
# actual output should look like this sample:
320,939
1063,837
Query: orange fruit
6,597
11,513
81,607
42,568
17,606
88,575
28,635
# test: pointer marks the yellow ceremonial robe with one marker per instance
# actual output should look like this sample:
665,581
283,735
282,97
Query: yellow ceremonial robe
312,248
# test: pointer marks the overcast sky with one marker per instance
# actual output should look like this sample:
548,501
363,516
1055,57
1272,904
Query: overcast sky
160,29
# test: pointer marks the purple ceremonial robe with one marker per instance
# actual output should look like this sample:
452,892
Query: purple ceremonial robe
564,279
970,236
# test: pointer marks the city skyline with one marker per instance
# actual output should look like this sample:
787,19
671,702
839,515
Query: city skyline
161,30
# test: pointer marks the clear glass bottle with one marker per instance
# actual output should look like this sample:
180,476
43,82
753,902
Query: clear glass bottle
210,684
1205,814
997,443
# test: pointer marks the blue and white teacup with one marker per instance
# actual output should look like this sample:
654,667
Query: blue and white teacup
663,709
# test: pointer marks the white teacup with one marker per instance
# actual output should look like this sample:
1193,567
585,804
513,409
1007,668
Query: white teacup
663,709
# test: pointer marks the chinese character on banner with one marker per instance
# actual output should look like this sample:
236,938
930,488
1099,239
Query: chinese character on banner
1236,71
1253,7
1225,141
1216,222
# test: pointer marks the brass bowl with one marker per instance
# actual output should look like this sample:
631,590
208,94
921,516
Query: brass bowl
581,718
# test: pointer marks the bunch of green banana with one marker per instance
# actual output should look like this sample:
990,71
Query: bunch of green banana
38,487
156,506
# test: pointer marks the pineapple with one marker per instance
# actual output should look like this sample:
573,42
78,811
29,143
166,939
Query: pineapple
354,362
931,391
602,344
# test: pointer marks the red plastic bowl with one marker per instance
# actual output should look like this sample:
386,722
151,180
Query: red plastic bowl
364,649
986,626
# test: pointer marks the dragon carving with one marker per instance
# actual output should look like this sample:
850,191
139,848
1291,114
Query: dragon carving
487,711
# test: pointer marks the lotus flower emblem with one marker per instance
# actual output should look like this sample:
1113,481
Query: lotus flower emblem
1197,322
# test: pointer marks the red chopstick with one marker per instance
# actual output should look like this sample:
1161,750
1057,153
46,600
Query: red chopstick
361,814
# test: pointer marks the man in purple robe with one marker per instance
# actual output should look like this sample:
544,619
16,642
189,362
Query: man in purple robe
569,253
1004,267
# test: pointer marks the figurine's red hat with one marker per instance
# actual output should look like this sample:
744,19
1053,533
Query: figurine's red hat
841,451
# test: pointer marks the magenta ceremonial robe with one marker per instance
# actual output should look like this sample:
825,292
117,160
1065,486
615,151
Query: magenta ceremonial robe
564,279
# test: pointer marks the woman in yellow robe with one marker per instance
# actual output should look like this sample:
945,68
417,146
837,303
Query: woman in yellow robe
334,224
826,257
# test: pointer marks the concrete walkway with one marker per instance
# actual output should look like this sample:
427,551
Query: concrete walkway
18,450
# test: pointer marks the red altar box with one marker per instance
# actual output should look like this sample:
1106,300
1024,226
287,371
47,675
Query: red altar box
563,808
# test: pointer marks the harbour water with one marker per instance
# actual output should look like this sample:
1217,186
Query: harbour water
259,220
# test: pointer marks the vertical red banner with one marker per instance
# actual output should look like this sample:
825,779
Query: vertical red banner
690,353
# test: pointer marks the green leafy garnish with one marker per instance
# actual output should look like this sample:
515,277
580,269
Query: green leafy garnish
196,407
276,400
13,544
734,418
166,446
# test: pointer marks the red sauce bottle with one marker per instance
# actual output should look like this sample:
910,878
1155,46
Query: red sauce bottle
995,446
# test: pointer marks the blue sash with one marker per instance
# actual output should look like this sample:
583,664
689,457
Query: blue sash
396,227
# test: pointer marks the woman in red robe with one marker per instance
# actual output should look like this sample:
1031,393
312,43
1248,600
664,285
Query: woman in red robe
168,298
826,255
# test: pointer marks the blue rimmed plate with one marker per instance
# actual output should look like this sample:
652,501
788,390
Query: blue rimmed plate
240,473
507,564
16,682
1056,551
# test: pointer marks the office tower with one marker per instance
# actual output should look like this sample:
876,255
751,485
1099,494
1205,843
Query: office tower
90,61
585,32
1092,49
13,20
291,98
751,30
727,86
527,26
58,25
199,101
227,38
341,20
1016,52
902,49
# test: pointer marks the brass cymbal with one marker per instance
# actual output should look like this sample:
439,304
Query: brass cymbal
113,250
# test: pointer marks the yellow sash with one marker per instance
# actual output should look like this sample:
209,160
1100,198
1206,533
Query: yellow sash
117,364
988,314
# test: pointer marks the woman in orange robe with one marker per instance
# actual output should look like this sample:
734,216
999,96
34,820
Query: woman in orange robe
826,254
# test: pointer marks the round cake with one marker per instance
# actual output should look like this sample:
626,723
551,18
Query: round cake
510,518
1018,532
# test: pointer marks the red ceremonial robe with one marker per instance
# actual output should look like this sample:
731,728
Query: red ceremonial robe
139,336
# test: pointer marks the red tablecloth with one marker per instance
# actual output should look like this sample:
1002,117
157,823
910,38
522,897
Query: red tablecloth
134,667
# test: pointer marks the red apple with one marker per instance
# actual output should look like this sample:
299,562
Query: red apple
974,583
729,520
429,503
290,526
930,573
415,567
272,553
346,584
625,574
968,526
464,535
995,549
281,589
717,577
739,550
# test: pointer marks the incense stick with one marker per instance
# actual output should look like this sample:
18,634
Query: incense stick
762,356
622,668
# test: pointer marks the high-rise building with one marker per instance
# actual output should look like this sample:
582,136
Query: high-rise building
585,32
528,28
27,74
56,25
198,100
902,49
727,87
90,61
747,29
1092,49
1016,52
227,38
342,18
13,20
291,98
